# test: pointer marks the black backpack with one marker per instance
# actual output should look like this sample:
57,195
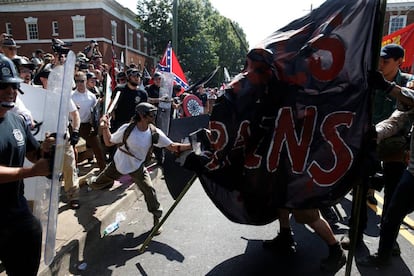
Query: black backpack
154,140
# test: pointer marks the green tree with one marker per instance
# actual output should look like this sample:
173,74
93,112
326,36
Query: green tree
154,17
206,38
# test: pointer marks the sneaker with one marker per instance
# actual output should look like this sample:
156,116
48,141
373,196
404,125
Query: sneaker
94,186
335,261
373,261
346,241
282,243
84,179
74,204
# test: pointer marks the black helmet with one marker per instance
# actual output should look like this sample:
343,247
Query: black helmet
24,62
44,72
8,72
145,108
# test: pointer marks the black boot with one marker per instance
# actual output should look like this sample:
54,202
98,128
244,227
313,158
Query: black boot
335,260
282,243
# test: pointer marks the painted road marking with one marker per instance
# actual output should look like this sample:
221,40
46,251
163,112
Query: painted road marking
408,221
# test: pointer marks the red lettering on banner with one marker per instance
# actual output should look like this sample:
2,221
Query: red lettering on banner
336,49
251,160
284,133
342,153
243,134
218,138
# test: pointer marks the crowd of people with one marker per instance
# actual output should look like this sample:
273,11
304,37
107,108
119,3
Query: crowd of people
132,127
133,114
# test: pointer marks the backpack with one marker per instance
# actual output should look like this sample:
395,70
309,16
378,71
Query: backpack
154,140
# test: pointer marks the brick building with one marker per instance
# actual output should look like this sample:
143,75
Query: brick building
399,14
34,23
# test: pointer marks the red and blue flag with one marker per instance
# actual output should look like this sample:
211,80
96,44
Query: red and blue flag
169,63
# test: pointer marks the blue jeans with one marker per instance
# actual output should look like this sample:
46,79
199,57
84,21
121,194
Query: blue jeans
400,205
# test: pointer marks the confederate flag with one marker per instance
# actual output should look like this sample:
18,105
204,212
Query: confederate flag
169,63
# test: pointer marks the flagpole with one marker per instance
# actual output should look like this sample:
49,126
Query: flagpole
359,195
164,218
175,26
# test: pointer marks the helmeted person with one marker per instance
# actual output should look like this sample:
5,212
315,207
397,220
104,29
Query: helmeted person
135,140
20,231
25,68
37,58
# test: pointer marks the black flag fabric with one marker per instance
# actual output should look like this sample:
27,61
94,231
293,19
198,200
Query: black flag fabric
290,130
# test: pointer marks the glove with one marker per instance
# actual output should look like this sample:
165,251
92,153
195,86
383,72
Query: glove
377,81
74,138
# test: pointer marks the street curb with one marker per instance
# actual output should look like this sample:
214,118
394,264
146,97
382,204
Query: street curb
71,235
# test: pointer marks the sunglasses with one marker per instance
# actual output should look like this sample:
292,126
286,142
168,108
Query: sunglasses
136,74
79,81
152,114
4,86
25,71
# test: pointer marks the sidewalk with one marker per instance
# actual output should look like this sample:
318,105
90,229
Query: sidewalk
97,210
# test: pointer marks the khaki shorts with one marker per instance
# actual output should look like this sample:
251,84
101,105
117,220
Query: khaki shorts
305,216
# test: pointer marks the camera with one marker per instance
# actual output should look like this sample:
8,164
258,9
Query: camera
94,43
60,47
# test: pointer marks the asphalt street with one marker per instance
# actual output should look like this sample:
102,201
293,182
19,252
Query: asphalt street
198,240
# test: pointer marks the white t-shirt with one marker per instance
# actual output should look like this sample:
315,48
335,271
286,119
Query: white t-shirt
139,142
85,101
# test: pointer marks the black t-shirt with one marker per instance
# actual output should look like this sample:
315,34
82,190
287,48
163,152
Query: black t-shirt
15,140
125,107
153,91
202,97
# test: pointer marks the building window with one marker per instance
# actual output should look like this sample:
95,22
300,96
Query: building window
130,38
146,45
55,28
114,26
397,22
78,26
139,42
9,29
31,28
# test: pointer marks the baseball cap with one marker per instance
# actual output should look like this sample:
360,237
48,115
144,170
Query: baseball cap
392,50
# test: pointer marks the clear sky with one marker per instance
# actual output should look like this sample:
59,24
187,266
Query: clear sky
257,18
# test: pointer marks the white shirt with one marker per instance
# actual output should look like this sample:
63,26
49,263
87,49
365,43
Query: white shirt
21,109
139,142
85,101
